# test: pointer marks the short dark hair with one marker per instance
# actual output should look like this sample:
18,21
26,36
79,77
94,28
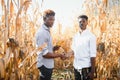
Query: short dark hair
83,16
48,13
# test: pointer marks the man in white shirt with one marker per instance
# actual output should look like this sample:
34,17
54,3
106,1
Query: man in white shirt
84,51
45,61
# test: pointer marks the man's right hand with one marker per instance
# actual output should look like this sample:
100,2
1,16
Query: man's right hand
56,48
63,56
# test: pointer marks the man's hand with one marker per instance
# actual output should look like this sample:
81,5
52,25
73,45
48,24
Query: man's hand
55,48
90,75
70,54
67,55
63,56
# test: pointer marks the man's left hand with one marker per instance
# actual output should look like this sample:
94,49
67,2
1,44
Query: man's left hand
91,75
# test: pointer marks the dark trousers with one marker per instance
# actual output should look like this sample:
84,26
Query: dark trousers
82,75
45,73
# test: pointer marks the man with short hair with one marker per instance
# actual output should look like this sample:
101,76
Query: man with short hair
45,61
84,51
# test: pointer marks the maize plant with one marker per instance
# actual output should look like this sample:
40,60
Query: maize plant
17,44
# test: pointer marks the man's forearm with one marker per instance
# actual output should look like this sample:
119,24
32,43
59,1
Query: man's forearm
51,55
93,64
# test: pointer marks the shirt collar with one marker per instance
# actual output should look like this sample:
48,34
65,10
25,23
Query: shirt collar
84,32
45,27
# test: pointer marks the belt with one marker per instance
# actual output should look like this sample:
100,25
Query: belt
83,69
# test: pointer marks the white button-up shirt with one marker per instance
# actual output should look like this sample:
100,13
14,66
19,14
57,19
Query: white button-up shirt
43,36
84,47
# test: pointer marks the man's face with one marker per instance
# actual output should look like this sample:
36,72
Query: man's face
49,21
82,23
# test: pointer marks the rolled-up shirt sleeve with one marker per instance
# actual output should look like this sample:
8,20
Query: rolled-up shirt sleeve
93,46
45,51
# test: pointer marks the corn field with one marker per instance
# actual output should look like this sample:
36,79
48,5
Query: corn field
17,43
